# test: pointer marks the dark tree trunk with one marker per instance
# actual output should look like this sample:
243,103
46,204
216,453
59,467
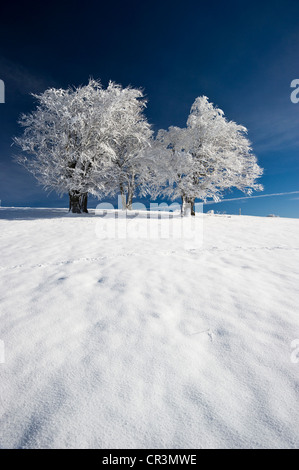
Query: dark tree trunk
84,199
78,202
188,205
192,203
75,206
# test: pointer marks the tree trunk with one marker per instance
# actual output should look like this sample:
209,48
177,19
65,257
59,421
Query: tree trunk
84,199
78,202
130,198
183,206
123,197
127,201
131,189
188,206
192,204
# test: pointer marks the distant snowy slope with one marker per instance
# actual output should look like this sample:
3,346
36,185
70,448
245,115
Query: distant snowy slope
115,343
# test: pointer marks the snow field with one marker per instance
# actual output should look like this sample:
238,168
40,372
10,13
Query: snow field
115,343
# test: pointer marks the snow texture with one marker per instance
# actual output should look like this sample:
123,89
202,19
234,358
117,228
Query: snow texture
144,344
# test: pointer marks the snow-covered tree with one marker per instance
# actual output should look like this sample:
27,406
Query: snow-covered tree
129,137
207,157
63,143
86,140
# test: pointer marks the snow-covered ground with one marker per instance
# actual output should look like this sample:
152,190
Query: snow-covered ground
122,343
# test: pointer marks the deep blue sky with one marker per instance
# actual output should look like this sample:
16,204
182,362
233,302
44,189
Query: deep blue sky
242,55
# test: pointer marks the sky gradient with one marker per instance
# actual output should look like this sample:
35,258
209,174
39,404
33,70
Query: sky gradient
242,55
